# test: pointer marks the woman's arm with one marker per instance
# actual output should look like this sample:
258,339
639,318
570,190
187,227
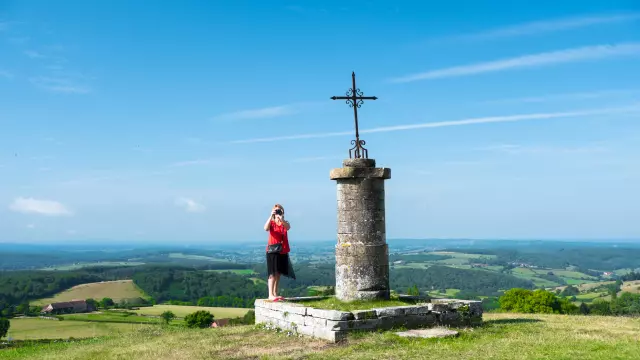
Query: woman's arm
287,225
267,225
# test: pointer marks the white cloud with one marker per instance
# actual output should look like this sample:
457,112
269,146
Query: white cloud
516,149
566,96
545,26
190,205
471,121
59,85
526,61
34,54
264,113
6,74
191,162
42,207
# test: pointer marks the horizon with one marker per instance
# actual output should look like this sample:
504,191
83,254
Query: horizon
189,121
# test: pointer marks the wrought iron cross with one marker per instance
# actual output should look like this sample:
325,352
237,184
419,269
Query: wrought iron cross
355,99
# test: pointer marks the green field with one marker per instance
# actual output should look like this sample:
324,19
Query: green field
235,271
23,329
92,264
113,316
116,290
182,311
503,336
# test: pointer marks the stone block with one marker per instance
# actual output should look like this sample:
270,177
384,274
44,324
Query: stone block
361,216
366,324
360,205
359,172
364,314
337,325
313,321
359,162
329,314
364,226
292,308
364,239
450,318
439,307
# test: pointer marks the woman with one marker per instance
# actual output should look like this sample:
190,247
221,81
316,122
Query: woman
278,262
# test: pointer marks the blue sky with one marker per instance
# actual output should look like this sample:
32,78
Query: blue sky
186,122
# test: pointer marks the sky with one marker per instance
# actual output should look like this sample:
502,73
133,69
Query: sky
185,122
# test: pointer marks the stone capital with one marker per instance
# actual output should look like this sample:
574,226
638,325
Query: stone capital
360,173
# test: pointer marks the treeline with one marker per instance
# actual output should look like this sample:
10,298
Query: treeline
590,260
189,286
418,257
17,288
544,302
479,282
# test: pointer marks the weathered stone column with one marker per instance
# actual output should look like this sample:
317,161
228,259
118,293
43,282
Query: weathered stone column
362,255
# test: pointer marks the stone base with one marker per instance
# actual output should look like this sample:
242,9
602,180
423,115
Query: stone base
334,325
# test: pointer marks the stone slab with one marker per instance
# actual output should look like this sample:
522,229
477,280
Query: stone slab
330,314
428,333
359,172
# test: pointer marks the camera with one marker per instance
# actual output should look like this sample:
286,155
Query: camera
278,212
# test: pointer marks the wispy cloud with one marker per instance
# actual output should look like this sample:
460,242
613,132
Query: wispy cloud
463,122
191,162
34,54
6,74
59,85
547,26
190,205
41,207
517,149
527,61
566,96
263,113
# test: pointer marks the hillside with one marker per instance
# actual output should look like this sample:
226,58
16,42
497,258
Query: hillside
116,290
504,336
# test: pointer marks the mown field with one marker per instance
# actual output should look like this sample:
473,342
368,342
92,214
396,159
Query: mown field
33,329
116,290
182,311
503,336
236,271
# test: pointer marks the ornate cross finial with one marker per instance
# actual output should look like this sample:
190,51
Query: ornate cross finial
355,100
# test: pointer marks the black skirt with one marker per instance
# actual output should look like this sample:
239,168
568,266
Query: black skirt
280,263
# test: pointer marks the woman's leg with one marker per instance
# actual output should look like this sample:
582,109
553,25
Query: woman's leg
271,285
277,284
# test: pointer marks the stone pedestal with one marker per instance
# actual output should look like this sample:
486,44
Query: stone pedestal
362,255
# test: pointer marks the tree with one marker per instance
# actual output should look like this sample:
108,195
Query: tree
249,318
584,309
167,316
199,319
4,327
106,302
91,303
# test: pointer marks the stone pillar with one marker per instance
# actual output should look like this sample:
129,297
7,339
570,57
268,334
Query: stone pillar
362,255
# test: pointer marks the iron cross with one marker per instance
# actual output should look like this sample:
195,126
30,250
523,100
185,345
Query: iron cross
355,99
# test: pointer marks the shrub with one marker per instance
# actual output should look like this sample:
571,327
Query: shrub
199,319
538,301
167,316
5,324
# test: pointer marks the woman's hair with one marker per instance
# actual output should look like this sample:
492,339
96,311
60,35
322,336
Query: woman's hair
279,206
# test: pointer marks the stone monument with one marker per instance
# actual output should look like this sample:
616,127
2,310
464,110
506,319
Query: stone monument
362,262
362,255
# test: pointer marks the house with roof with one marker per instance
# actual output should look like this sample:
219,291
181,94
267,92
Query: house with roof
68,307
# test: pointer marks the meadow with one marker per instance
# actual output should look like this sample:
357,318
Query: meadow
503,336
34,328
182,311
116,290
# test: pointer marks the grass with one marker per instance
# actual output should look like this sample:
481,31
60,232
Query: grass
631,286
182,311
332,303
503,336
92,264
116,290
113,316
30,329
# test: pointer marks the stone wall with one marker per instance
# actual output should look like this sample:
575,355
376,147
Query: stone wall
334,325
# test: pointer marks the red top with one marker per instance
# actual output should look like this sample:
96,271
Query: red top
277,233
